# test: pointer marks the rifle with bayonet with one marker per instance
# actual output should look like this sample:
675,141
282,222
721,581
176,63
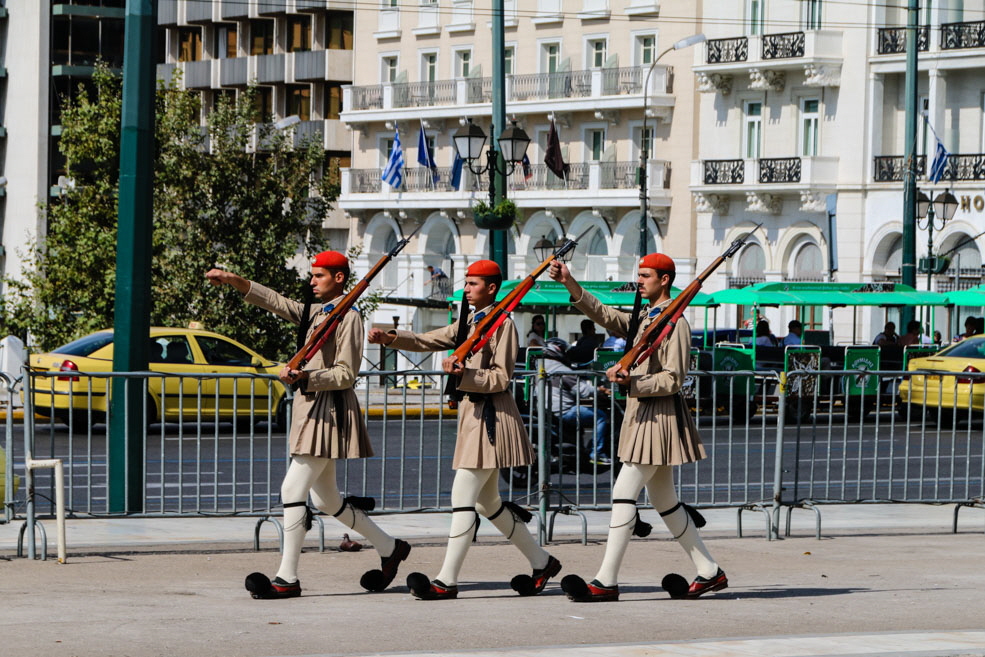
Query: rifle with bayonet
487,325
327,328
662,327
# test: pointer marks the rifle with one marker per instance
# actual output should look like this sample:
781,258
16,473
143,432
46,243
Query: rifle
488,324
658,331
327,328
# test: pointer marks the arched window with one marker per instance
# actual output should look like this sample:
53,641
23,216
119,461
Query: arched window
593,266
894,260
750,266
807,264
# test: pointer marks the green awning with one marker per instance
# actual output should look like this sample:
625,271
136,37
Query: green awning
553,294
974,296
805,293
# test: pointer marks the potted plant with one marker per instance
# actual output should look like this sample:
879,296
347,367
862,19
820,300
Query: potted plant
499,217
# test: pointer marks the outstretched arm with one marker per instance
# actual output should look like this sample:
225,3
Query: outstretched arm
223,277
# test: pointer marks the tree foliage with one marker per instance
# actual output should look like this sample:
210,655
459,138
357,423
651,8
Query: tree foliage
235,193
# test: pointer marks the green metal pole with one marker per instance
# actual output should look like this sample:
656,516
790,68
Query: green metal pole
497,238
131,323
908,271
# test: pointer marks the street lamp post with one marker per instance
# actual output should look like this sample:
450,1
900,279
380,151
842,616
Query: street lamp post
644,145
943,208
513,143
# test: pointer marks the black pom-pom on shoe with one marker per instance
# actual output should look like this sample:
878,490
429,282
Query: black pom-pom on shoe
377,580
258,585
574,586
675,585
533,584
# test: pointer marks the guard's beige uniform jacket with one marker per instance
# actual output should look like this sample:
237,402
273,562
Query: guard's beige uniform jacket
487,372
315,429
658,428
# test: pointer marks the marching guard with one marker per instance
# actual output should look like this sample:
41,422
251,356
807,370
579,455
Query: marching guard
491,436
326,426
658,433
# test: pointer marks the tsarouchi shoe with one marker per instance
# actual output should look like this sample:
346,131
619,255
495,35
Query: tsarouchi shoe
579,591
378,580
430,589
532,585
262,588
700,585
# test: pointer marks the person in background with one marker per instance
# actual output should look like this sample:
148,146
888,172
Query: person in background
538,328
614,341
912,335
794,332
764,337
583,350
970,329
938,338
888,336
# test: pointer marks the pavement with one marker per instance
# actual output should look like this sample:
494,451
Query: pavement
883,580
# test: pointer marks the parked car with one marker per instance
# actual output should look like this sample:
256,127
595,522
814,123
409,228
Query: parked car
944,392
178,351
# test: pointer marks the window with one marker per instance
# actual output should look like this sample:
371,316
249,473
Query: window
386,151
389,69
463,60
299,101
264,102
220,96
755,16
333,100
809,124
812,14
338,26
646,49
752,262
596,143
298,33
596,53
223,352
808,263
261,37
924,111
429,66
225,41
335,161
508,60
753,130
550,57
189,44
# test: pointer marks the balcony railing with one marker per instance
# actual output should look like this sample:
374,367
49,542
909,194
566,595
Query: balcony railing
370,97
783,46
779,170
955,36
892,40
891,168
424,94
724,172
723,51
581,176
524,87
964,167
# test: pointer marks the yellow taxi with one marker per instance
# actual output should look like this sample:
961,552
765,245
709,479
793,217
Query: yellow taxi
194,353
947,390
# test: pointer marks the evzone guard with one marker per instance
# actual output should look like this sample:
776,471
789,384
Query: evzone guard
658,433
491,436
326,425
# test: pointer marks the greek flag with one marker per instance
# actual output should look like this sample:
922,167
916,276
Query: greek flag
939,164
393,172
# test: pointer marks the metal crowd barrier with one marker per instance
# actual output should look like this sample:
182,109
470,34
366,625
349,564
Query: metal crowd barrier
7,386
773,441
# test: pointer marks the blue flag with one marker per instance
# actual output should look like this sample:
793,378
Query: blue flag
939,164
528,172
424,155
456,171
393,172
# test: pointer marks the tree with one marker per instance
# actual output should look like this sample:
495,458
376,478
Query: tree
236,193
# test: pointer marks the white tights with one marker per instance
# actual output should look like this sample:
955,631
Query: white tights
479,489
316,475
659,482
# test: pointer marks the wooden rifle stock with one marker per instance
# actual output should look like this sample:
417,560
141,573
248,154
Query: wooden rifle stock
488,324
327,328
659,330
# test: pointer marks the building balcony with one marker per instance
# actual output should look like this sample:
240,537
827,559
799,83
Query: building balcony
198,75
763,182
593,183
959,36
767,59
331,133
892,40
952,45
610,89
959,168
